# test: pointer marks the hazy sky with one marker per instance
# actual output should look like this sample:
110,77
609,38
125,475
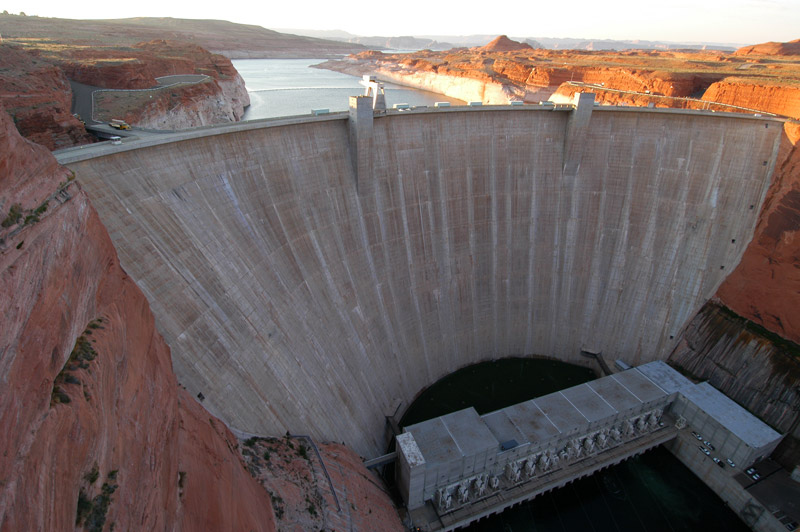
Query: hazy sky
725,21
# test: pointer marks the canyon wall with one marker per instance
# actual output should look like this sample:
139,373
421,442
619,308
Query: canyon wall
181,106
760,373
94,428
37,97
765,287
136,98
294,300
35,88
781,100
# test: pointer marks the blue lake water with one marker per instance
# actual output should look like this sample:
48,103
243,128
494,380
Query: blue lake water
288,87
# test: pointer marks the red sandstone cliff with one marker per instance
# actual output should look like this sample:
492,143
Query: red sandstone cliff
37,96
779,99
765,287
35,90
94,428
222,98
306,498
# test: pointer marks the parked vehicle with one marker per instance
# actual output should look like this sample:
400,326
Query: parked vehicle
730,462
119,124
705,451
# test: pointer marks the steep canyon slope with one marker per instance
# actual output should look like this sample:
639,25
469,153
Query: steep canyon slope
97,432
94,424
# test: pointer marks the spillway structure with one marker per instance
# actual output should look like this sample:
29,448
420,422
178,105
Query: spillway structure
308,273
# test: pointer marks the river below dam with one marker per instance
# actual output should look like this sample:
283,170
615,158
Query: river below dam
289,87
653,492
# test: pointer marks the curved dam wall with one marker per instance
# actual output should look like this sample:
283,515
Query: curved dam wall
293,299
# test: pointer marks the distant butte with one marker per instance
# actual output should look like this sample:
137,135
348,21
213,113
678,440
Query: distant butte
504,44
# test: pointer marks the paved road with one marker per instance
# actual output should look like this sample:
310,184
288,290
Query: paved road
181,78
82,102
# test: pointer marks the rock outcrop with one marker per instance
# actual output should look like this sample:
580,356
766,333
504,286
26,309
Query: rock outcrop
736,357
35,89
765,287
504,44
322,487
37,96
94,429
222,97
779,99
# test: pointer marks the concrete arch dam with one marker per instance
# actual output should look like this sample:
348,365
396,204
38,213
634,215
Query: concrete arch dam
296,295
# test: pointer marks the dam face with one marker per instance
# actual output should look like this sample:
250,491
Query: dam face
293,299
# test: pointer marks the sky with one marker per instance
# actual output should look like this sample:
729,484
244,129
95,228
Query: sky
688,21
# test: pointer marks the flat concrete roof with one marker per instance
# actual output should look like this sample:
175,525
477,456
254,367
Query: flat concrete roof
453,436
663,376
531,421
639,385
503,428
464,433
730,415
615,394
588,403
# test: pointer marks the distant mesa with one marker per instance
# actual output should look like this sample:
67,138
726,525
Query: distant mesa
772,48
504,44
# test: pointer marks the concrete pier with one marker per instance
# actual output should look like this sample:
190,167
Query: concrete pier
293,299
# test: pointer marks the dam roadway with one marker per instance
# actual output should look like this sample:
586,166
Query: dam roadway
296,295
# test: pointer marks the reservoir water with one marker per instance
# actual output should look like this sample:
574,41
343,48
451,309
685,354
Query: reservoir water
289,87
653,492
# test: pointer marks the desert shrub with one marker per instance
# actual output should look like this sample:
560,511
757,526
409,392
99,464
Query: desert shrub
14,215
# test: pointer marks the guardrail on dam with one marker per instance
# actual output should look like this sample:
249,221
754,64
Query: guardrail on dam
294,301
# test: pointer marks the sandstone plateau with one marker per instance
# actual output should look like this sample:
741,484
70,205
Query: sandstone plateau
235,41
96,429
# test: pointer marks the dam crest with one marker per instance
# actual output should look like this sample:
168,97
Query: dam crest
299,292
